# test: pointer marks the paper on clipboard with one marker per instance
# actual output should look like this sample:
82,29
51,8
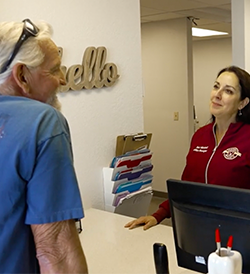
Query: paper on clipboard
126,143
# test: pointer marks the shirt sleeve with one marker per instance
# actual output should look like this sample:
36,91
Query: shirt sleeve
52,191
163,212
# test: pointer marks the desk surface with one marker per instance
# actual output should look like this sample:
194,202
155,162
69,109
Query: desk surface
112,249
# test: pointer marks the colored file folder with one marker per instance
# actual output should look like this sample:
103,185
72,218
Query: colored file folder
141,152
132,186
116,184
134,204
131,174
121,197
133,160
142,165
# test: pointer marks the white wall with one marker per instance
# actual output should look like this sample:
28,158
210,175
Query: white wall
167,67
209,57
95,116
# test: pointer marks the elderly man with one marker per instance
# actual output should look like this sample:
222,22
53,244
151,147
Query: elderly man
39,193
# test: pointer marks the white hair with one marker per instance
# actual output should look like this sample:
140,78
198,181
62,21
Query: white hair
30,53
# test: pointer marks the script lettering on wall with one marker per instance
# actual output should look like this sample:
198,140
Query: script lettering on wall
92,73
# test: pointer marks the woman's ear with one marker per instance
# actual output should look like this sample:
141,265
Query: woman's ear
19,73
244,102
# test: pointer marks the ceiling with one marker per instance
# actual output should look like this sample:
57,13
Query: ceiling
208,14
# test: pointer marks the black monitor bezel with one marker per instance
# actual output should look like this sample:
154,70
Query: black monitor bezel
231,203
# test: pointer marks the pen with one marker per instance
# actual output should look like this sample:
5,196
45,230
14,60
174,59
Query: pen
229,244
217,240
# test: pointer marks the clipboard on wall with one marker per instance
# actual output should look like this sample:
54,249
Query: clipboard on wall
126,143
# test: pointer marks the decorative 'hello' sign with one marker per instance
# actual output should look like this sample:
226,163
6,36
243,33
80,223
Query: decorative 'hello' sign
92,73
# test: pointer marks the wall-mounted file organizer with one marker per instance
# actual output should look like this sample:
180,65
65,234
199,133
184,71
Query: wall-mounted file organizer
128,180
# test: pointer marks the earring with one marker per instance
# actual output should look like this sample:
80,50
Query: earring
240,113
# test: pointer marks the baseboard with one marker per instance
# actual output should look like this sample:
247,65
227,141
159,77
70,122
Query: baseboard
160,194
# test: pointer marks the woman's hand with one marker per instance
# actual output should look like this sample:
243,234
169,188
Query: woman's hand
147,221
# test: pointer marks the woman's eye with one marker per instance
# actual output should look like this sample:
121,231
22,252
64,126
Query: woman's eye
229,91
215,86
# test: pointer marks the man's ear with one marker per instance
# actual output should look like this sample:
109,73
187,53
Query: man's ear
19,73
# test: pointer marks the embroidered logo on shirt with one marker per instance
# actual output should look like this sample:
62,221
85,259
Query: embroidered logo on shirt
231,153
201,149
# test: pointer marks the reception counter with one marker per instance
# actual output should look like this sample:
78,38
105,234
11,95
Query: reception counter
112,249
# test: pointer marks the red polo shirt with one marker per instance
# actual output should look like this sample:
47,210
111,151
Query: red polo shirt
226,163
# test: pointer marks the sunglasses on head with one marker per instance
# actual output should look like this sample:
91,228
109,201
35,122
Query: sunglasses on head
29,29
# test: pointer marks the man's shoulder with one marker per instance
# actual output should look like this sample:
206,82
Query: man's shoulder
25,106
32,113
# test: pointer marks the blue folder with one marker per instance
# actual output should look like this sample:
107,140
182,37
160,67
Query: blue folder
134,186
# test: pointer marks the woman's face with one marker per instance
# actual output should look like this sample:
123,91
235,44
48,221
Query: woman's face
225,97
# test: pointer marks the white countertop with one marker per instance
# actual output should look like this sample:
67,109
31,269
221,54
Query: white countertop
112,249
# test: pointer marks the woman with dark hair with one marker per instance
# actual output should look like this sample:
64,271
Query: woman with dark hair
219,153
243,115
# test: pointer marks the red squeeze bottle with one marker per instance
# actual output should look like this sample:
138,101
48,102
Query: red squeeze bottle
229,244
217,240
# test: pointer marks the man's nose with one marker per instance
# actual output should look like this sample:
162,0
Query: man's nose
62,79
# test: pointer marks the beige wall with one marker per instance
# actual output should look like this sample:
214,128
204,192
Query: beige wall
165,62
209,57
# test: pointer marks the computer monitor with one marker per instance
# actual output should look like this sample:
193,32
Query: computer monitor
197,210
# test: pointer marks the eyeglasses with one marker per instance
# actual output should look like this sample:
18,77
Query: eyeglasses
29,29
